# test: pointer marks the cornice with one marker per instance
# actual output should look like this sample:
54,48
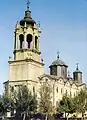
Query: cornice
24,50
26,60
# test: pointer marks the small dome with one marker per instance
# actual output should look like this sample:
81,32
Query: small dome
58,62
77,69
28,19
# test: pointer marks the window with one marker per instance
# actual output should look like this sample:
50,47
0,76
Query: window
53,70
66,91
74,94
57,89
29,40
57,103
61,91
21,38
46,80
36,38
70,93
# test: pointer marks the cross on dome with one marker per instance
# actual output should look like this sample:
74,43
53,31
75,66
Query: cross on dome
58,55
28,4
77,64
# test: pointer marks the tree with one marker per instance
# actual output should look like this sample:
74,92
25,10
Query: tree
5,104
45,104
81,102
2,110
24,101
66,105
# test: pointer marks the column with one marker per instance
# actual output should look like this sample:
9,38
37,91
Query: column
54,94
38,42
25,41
17,41
31,43
33,46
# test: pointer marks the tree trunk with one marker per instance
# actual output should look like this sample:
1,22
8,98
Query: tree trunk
82,116
24,116
46,117
65,114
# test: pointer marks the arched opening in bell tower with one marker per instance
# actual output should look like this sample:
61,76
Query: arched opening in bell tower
29,40
36,38
21,38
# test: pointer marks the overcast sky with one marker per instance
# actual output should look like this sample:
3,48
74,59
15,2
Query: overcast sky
64,29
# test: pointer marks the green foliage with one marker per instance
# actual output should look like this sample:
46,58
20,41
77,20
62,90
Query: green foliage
76,104
24,101
81,102
45,104
21,100
2,109
66,105
5,104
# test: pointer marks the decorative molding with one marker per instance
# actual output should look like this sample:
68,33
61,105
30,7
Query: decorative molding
26,60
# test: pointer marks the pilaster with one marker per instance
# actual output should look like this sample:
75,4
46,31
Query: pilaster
38,43
33,40
17,41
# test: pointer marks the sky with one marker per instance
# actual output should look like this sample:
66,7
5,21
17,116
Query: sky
64,29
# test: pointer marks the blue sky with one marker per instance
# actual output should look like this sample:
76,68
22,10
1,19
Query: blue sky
64,29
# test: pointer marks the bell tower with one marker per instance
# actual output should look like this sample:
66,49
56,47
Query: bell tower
26,66
27,39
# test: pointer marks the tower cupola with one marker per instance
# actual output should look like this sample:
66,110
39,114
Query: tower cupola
58,68
77,75
27,18
27,38
27,64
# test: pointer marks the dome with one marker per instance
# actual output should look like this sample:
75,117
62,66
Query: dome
28,19
77,69
77,75
58,62
58,68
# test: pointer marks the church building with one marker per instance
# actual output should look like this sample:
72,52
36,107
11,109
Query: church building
27,66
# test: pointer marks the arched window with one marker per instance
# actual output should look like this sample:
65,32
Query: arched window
21,38
36,38
74,94
61,91
57,89
46,80
70,93
66,92
29,39
57,103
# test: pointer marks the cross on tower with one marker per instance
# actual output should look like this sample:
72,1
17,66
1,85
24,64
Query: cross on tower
38,23
58,55
28,3
77,64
